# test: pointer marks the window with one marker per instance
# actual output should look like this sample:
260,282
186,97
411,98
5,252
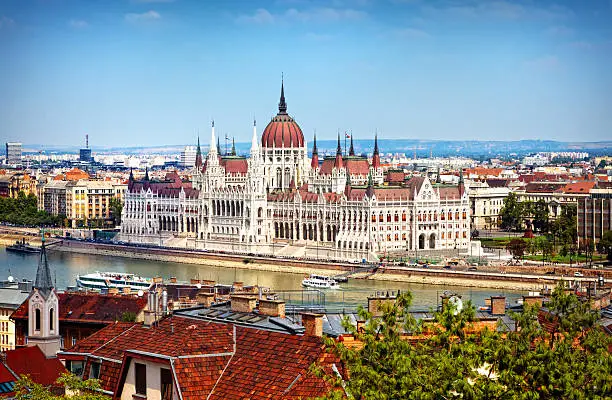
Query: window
166,384
37,320
94,371
51,319
76,367
140,371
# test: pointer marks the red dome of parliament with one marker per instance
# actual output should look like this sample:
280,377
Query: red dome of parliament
282,131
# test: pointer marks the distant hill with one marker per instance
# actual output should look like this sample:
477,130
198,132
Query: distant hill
423,148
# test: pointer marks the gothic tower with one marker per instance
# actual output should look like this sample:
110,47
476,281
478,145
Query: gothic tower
43,320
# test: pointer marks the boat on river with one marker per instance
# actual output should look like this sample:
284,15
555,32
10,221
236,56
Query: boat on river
107,280
320,282
21,246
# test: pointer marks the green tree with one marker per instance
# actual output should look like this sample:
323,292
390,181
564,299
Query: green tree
517,247
26,389
511,213
116,207
451,360
604,245
539,212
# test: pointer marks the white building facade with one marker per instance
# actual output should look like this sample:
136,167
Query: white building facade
278,201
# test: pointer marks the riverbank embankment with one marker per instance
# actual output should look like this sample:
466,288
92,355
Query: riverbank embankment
397,274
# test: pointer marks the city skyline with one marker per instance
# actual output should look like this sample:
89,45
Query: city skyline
155,72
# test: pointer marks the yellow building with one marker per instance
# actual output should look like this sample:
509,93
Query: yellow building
88,201
14,182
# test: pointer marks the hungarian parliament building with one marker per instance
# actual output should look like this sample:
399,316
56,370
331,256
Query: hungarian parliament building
279,201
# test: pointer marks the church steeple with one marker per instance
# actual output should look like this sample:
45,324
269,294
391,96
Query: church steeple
375,155
198,162
43,307
282,105
233,153
43,282
339,162
351,149
314,163
146,177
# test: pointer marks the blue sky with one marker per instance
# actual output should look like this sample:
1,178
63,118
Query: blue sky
154,72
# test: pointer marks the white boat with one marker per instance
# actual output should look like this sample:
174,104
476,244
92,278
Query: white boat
320,282
119,280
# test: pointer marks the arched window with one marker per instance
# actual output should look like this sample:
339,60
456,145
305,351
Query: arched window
51,319
37,320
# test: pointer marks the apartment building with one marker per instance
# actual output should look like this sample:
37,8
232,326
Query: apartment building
595,214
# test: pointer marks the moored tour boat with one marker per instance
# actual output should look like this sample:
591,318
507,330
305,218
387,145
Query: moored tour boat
119,280
320,282
22,247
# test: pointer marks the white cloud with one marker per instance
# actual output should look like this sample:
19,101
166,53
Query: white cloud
261,16
559,31
152,1
412,33
78,23
318,37
321,14
147,16
324,14
6,22
547,62
499,9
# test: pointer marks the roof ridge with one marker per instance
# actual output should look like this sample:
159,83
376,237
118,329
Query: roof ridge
111,340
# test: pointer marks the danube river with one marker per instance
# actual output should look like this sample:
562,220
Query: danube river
65,266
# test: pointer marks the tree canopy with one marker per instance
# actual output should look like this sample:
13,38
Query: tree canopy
76,389
23,210
448,359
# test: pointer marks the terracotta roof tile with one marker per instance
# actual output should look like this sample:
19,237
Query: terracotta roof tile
32,361
84,307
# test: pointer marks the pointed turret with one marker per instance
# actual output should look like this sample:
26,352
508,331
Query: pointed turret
438,180
314,163
351,149
282,104
339,162
198,162
43,282
233,153
218,147
370,188
254,141
146,177
461,183
376,155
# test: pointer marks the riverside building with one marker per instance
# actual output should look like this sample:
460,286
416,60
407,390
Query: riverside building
280,201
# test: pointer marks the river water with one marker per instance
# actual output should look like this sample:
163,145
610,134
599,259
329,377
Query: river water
65,266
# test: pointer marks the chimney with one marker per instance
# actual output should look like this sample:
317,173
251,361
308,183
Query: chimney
375,302
237,287
242,303
313,324
531,300
272,308
498,305
205,299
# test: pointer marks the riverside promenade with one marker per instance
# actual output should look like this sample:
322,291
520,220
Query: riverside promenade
498,277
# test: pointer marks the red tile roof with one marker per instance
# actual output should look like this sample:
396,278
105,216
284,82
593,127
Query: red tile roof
235,165
357,165
579,187
265,364
32,361
395,176
90,307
